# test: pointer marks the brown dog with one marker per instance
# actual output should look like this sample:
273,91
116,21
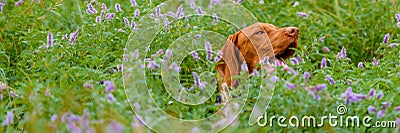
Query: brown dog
253,44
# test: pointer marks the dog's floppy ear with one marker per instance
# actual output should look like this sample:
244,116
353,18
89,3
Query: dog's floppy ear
233,59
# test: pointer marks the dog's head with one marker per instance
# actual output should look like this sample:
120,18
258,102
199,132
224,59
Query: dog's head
255,42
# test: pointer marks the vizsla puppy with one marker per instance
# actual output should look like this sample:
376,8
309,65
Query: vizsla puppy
253,44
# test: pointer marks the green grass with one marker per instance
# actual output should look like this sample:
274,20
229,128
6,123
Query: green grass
49,81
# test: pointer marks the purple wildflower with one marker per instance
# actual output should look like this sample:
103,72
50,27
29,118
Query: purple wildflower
152,65
244,26
326,49
397,109
393,45
316,96
126,21
53,118
196,79
352,97
9,119
195,130
160,52
255,73
175,67
200,11
118,7
109,16
37,1
151,15
85,121
293,61
349,82
262,2
133,2
103,9
180,12
65,37
306,75
195,55
295,4
380,94
110,97
319,87
292,71
348,94
323,63
342,54
386,105
114,126
215,19
110,86
119,67
214,2
72,127
137,13
360,65
209,51
112,70
88,85
1,6
90,9
244,67
397,17
375,62
192,4
98,19
380,114
274,79
386,38
197,36
322,39
371,109
371,93
265,60
19,2
398,119
135,54
158,12
291,86
168,54
302,14
299,60
219,56
133,24
13,94
47,92
49,39
73,117
239,1
73,35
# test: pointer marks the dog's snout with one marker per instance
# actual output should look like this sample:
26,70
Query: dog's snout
292,31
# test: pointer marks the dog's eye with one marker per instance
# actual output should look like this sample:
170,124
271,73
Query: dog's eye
260,32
